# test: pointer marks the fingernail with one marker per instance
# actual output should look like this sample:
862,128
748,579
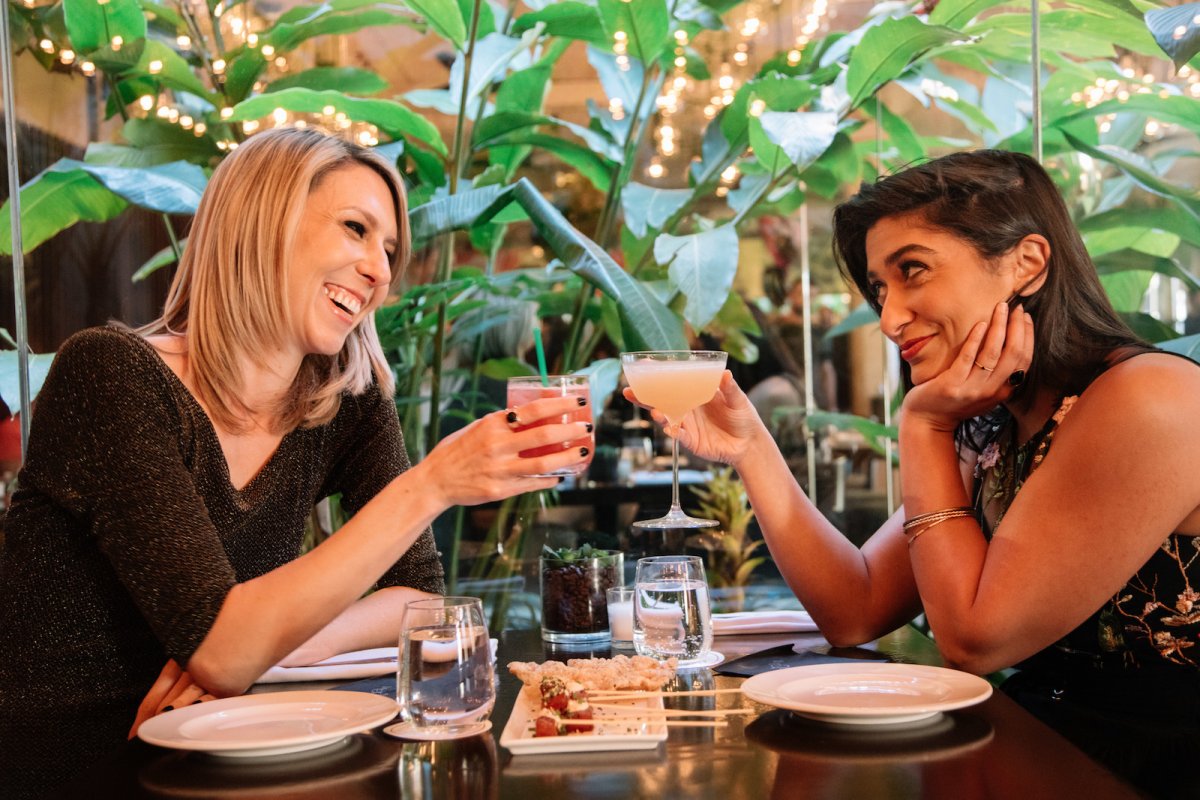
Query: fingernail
589,427
583,451
168,708
581,400
197,701
562,478
511,417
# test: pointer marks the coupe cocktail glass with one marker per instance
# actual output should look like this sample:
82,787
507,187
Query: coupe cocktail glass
674,382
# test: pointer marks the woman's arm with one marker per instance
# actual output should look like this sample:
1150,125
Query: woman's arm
259,623
853,595
373,621
1118,480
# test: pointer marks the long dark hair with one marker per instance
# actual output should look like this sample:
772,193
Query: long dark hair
993,199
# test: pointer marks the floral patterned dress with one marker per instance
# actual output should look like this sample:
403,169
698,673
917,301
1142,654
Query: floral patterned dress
1125,684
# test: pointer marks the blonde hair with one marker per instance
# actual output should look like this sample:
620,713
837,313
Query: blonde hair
229,296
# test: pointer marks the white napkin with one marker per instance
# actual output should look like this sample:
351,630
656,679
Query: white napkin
762,622
365,664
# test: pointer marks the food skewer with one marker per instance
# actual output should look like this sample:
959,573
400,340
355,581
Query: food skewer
637,694
638,720
678,712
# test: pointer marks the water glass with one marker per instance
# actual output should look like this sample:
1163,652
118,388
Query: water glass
527,388
620,615
672,616
445,681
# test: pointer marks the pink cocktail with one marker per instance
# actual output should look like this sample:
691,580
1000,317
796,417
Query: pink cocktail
526,389
673,382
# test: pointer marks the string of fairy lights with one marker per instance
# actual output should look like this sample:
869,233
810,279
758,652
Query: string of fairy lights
683,106
240,25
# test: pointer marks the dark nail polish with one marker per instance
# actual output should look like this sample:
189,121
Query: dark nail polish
590,426
581,400
167,708
511,417
197,702
583,451
562,478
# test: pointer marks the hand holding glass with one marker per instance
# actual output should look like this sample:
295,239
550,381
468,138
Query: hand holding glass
445,683
672,617
674,382
527,388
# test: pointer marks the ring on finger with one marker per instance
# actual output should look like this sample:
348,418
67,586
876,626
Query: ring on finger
1017,378
982,367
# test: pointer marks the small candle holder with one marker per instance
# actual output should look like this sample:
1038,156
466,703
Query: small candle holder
620,616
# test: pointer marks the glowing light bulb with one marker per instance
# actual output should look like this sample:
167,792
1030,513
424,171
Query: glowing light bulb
146,101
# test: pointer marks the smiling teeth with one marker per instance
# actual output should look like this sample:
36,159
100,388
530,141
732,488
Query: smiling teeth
344,299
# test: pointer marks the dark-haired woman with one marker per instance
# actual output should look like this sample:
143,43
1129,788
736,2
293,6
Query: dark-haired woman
1051,468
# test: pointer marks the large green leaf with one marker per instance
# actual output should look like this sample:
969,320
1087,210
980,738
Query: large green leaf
175,72
802,136
494,128
646,24
1129,164
1125,289
1171,219
325,20
351,80
522,90
1179,109
648,207
778,93
957,13
900,135
887,49
1148,328
390,116
702,267
92,25
54,201
596,169
444,17
10,381
173,188
874,432
620,84
1131,260
492,57
156,262
1165,26
568,19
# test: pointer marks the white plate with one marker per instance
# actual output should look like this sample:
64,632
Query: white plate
867,693
710,659
518,733
268,724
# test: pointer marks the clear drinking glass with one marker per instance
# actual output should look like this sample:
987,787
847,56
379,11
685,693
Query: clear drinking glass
445,683
527,388
674,382
672,616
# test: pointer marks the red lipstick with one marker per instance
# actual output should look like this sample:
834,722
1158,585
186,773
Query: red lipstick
910,348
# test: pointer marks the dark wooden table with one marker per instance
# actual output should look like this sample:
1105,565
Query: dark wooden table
992,750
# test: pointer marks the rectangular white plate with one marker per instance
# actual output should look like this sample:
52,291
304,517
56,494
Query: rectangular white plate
518,733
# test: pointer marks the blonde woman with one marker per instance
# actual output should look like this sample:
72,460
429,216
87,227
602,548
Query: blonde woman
170,469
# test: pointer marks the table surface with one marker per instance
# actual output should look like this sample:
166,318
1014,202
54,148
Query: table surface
991,750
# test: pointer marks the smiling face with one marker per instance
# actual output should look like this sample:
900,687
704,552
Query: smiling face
933,287
341,259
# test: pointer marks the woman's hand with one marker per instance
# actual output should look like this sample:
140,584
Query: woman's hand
984,374
722,429
174,688
482,462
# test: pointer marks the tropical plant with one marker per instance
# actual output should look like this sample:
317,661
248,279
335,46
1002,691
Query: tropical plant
731,559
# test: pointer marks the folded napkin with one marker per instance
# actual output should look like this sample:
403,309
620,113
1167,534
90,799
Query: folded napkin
762,622
354,665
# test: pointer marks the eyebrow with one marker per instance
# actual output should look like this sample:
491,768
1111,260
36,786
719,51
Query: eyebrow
899,253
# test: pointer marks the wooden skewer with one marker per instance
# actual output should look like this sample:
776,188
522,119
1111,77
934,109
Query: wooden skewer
677,712
678,723
633,694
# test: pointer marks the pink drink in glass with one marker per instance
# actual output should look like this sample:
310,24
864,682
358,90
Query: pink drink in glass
526,389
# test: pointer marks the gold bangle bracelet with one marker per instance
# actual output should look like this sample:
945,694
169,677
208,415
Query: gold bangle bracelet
947,516
933,516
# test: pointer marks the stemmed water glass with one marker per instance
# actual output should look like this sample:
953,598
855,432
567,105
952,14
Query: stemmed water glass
674,382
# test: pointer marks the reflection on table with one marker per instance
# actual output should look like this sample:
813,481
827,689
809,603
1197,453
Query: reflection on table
992,750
